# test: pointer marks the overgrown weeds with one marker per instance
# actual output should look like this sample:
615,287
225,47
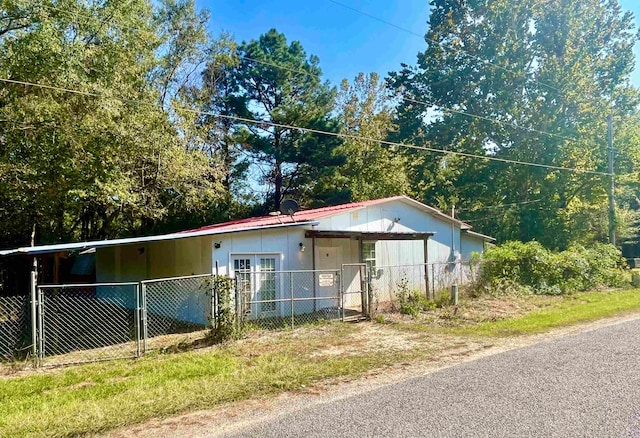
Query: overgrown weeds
530,268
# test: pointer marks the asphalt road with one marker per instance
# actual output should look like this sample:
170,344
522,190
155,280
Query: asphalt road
585,385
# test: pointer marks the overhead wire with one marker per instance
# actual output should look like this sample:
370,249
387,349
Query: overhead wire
432,104
408,99
422,36
490,207
262,123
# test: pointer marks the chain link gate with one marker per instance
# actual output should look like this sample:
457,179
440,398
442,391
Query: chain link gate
355,292
281,299
173,306
87,322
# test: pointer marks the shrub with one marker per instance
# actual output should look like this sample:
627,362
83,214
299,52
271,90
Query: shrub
531,267
223,326
412,302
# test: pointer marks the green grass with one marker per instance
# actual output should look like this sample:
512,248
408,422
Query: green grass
98,397
573,309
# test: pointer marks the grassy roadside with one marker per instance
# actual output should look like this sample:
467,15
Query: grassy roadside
98,397
571,309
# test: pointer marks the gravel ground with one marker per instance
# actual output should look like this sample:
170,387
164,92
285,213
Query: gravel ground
585,385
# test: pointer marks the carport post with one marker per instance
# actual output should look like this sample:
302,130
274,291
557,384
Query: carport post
426,267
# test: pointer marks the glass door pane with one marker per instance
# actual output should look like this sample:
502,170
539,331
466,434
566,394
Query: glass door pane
242,271
267,285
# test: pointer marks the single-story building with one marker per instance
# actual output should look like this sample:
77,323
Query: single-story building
389,232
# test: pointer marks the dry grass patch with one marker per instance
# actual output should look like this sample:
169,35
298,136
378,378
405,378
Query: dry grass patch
472,311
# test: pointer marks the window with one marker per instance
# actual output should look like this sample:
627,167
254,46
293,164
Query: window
369,255
242,271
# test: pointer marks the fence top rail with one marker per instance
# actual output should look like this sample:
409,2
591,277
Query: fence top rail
78,285
184,277
458,262
299,271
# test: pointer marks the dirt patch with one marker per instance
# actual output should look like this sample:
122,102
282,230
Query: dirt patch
371,338
475,311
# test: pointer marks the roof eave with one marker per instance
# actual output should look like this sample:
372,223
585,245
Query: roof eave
480,236
48,249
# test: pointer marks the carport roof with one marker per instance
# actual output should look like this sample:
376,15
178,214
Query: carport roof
80,246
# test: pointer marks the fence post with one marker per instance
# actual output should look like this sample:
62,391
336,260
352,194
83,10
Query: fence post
291,293
214,301
433,282
143,316
238,303
369,291
215,298
137,320
34,316
40,336
341,293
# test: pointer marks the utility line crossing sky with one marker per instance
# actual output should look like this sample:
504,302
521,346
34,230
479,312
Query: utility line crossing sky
345,41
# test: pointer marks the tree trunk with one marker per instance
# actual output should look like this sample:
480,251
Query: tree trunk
277,193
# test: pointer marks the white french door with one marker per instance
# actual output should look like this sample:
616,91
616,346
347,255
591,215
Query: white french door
258,282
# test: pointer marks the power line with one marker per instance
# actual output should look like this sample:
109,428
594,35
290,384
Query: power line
489,207
470,55
432,104
427,104
262,123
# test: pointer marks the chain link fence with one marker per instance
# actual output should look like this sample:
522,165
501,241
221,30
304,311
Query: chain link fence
86,323
177,310
82,323
281,299
433,280
14,327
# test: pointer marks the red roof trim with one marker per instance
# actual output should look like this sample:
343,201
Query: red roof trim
307,215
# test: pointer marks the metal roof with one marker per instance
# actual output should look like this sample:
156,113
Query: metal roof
318,213
303,217
46,249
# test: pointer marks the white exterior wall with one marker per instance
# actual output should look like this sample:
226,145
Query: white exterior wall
471,244
282,242
381,218
198,255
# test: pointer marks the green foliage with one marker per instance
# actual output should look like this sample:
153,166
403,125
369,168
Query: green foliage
223,326
412,302
567,64
517,267
371,170
99,165
290,161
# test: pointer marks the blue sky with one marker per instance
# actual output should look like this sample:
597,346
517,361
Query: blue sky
346,42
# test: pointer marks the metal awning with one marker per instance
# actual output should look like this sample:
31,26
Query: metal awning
479,236
83,246
366,235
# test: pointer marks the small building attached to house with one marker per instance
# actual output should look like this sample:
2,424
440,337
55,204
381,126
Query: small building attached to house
308,255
